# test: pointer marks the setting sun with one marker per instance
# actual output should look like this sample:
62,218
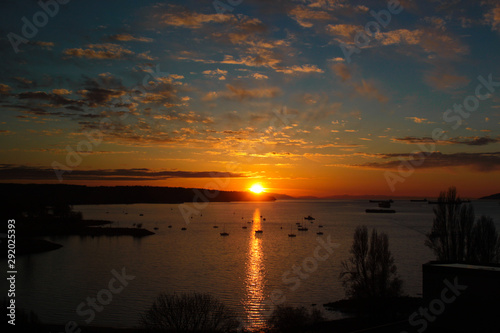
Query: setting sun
257,188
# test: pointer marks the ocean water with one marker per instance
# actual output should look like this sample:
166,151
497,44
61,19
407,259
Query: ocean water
249,272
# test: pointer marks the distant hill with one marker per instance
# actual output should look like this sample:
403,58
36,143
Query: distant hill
50,194
491,197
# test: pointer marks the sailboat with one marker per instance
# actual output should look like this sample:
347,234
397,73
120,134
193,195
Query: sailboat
291,234
224,233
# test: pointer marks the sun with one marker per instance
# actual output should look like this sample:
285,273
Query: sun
257,188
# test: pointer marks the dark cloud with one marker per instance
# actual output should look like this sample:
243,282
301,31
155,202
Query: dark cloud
469,141
21,172
482,162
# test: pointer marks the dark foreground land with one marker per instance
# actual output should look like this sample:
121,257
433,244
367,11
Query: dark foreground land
34,194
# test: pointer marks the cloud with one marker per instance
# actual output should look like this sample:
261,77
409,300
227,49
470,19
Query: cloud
420,120
493,18
369,90
469,141
365,88
301,69
303,16
342,71
100,51
215,72
44,45
129,38
481,162
259,76
4,89
178,16
55,99
345,32
241,94
445,79
21,172
62,91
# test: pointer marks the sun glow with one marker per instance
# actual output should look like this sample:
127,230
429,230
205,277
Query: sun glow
257,188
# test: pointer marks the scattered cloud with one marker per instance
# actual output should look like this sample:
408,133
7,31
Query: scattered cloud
419,120
469,141
21,172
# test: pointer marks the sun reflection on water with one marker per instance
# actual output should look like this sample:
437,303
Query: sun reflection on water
255,277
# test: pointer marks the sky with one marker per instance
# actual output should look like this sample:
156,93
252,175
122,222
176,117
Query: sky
305,97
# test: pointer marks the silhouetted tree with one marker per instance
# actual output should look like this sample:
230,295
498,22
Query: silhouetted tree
450,237
370,270
485,245
293,319
194,312
456,238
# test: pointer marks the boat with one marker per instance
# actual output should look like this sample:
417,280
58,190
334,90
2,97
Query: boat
384,204
244,227
319,233
310,218
302,229
183,228
155,228
216,226
291,234
259,231
380,211
224,233
418,200
141,214
170,226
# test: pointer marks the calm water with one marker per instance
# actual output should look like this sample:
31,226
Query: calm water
243,269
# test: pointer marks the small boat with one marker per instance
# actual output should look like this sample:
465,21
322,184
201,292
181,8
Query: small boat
302,229
319,233
380,211
418,200
224,233
291,234
264,219
170,226
310,218
155,228
183,228
216,226
141,214
259,231
244,227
